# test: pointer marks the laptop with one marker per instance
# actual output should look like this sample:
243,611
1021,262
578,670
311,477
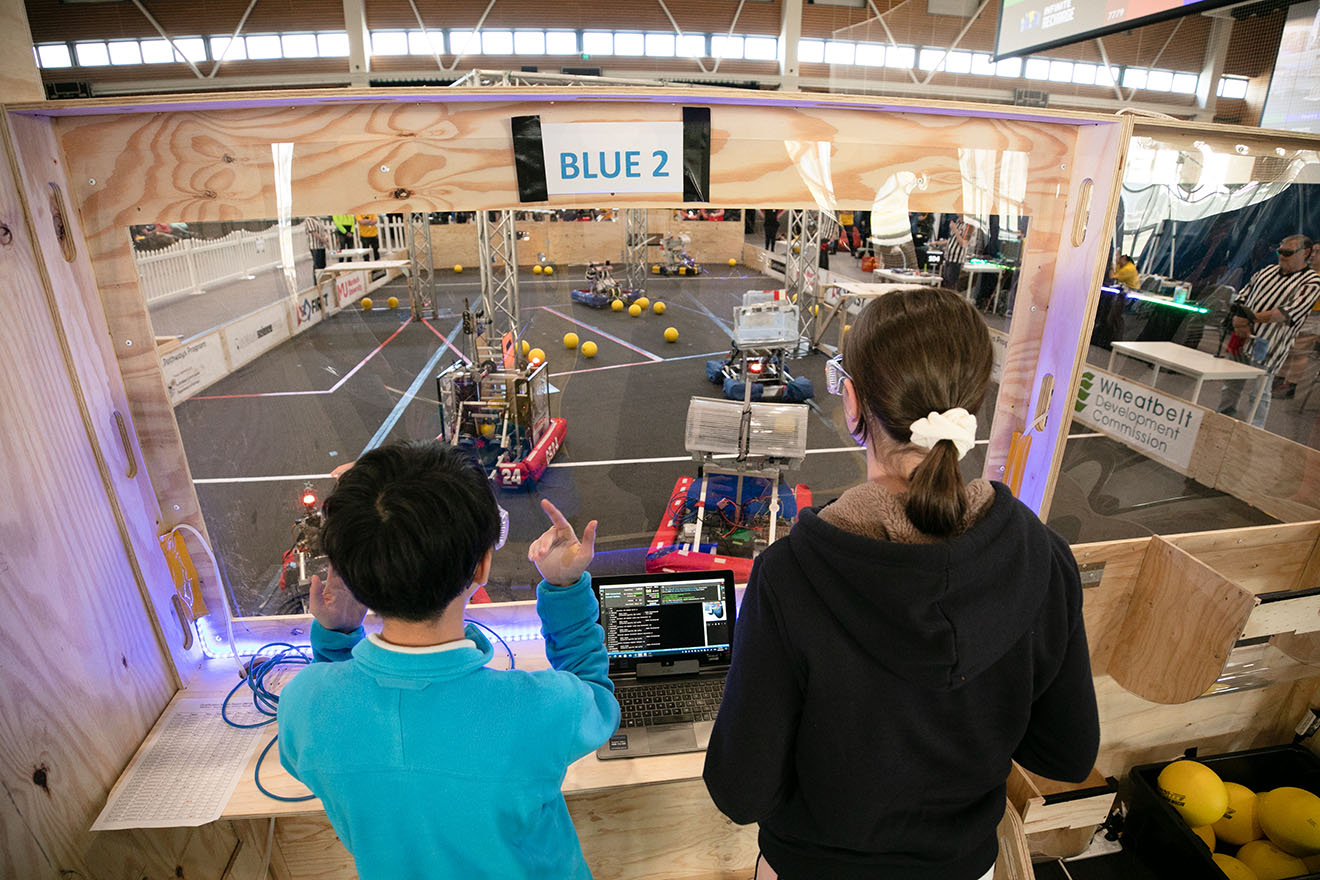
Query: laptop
669,637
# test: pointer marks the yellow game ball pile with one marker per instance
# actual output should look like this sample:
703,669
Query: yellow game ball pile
1276,832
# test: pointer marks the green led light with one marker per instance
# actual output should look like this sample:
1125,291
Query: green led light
1186,307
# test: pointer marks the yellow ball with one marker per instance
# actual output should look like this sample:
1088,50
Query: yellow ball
536,356
1207,835
526,346
536,270
1232,868
570,340
589,349
671,334
682,270
732,261
847,327
655,270
642,301
658,307
1269,862
1290,817
392,302
634,310
1240,823
458,267
487,430
1195,791
616,305
549,270
366,303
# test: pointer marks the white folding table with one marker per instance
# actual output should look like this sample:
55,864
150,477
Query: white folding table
1190,362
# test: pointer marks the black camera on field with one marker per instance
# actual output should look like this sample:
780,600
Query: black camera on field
1238,310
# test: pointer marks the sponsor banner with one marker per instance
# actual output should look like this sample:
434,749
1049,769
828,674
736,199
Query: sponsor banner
350,288
192,367
309,308
999,344
257,333
1161,426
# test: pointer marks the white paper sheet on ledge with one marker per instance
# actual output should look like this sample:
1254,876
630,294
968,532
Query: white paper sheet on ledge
185,773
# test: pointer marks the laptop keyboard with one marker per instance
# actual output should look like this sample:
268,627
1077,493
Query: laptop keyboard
669,703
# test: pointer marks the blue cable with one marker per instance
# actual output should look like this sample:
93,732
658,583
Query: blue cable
512,664
266,702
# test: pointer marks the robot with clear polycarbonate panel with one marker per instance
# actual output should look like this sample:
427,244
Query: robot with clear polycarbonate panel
765,336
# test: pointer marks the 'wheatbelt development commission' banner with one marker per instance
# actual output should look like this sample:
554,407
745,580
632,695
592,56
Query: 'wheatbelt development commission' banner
1160,425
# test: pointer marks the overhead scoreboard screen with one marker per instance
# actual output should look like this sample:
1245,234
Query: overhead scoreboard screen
1031,25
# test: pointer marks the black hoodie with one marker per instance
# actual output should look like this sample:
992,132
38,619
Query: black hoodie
879,690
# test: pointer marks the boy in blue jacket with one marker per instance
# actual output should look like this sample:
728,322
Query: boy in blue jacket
429,764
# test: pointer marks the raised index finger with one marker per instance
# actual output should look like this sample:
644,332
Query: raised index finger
556,518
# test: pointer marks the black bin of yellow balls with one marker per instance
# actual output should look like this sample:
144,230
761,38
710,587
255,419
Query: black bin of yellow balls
1252,815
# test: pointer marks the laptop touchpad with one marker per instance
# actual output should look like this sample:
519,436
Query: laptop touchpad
671,738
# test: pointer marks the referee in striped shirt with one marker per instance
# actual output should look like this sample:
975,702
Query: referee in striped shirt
1281,296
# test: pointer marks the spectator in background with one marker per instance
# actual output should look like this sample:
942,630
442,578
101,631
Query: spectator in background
1125,272
1304,346
771,228
368,227
956,249
343,224
318,238
1280,296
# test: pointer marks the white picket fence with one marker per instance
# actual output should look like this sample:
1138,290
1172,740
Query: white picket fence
194,265
393,233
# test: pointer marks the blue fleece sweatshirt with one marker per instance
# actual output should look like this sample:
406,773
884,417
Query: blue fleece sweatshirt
433,766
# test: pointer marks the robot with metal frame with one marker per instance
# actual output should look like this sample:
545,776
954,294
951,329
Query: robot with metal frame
733,510
765,336
498,405
604,289
674,247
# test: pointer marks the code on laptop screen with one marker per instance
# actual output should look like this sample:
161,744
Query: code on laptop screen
650,620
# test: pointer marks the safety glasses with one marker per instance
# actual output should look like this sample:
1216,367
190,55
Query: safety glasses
835,374
1285,252
504,527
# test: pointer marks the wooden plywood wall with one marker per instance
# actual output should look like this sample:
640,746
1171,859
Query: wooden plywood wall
83,674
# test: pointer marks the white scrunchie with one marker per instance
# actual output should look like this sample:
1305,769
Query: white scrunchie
956,424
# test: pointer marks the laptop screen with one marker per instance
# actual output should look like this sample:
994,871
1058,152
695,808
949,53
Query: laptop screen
667,615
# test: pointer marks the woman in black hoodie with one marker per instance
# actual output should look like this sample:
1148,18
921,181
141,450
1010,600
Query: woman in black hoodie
906,641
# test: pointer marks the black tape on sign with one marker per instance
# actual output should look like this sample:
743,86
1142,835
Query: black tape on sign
529,159
696,154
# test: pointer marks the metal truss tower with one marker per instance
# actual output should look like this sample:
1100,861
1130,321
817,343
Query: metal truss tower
802,269
497,245
636,243
421,277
